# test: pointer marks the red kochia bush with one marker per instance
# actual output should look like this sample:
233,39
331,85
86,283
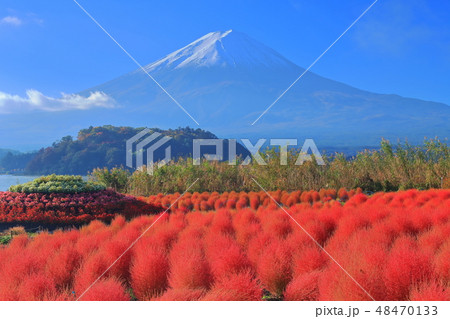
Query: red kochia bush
308,259
275,222
238,287
406,266
275,267
442,261
430,291
106,290
149,271
303,287
188,266
181,294
361,255
62,265
92,268
225,257
37,287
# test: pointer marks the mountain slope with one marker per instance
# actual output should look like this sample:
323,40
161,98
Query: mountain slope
225,80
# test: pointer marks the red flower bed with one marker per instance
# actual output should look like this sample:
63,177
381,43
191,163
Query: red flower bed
395,245
69,208
232,200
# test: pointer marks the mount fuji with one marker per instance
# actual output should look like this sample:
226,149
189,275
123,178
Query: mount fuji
225,80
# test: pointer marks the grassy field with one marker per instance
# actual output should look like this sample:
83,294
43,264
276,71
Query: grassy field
393,167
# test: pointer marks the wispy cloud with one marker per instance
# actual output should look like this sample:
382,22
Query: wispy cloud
11,20
18,19
36,101
32,17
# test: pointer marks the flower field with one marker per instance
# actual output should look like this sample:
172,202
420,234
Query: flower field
396,246
58,208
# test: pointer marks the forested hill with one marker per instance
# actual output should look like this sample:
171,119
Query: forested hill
105,146
4,152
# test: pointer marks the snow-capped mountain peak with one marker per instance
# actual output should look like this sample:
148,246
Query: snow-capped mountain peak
221,48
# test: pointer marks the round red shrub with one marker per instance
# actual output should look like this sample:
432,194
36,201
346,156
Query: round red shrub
235,287
275,267
109,289
303,287
149,272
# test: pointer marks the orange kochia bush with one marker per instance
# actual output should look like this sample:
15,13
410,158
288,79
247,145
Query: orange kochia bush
395,245
213,201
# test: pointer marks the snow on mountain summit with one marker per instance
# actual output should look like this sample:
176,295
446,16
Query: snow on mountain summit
221,48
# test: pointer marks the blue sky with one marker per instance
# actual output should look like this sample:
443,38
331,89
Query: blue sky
400,46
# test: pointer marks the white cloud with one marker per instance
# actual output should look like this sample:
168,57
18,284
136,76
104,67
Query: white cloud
36,101
11,20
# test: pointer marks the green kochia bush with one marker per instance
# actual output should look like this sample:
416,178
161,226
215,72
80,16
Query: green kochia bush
66,184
